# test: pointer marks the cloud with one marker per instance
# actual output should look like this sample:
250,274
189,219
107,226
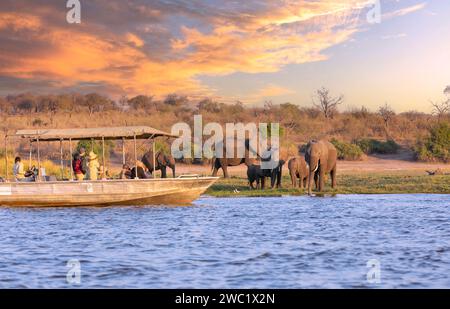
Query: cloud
160,47
405,11
393,36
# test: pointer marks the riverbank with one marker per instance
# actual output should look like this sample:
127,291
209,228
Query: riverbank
352,183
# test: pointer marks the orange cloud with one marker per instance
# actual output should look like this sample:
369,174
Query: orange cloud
264,41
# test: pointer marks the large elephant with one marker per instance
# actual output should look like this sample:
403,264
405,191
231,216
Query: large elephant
321,157
224,162
298,169
162,162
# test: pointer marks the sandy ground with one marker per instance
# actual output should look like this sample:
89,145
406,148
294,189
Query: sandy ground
401,162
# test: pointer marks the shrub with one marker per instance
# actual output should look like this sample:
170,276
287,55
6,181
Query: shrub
437,146
369,146
347,151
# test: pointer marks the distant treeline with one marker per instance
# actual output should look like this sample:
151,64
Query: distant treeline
322,118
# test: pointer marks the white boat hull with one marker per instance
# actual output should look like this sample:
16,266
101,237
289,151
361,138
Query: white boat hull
170,191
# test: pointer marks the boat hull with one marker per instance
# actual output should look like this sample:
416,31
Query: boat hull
170,191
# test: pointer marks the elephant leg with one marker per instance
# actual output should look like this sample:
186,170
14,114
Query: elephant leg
321,179
173,171
293,179
263,183
316,180
273,179
300,180
225,171
163,172
279,177
216,168
333,177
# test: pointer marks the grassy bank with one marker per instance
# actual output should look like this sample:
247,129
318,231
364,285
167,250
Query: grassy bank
347,184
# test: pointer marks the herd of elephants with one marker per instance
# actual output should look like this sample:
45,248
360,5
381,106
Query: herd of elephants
319,159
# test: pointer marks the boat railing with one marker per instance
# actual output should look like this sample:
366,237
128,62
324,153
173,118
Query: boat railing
189,176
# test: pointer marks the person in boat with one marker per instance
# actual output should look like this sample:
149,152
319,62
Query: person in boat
103,173
93,166
125,173
18,170
142,171
78,169
32,174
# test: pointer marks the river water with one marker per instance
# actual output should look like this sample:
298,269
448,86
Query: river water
288,242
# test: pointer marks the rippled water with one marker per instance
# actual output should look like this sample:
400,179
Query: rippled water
289,242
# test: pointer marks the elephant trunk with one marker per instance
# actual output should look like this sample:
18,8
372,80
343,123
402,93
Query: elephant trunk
313,167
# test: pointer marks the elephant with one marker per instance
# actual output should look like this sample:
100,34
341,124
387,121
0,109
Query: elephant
224,162
298,169
322,158
255,174
162,162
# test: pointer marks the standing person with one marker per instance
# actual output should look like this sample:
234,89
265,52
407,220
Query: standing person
83,158
94,166
18,170
77,166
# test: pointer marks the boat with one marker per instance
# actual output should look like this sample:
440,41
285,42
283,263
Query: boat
47,192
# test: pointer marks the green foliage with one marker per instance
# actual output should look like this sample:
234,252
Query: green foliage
437,146
370,146
162,146
87,145
347,151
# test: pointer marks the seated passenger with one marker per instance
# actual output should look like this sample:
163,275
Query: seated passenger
125,173
103,173
18,170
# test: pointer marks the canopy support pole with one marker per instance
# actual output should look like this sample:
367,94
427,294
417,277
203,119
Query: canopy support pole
123,150
135,159
62,158
103,158
6,157
31,154
71,159
39,159
154,158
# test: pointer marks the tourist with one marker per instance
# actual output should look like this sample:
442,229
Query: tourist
18,170
77,166
93,166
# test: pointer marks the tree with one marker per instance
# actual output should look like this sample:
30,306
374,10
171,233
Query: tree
447,91
440,109
326,103
175,100
387,114
141,102
210,106
94,102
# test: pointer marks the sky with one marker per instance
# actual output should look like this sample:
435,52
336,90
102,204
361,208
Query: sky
252,51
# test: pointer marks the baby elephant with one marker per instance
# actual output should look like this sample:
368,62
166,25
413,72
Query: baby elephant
255,174
298,169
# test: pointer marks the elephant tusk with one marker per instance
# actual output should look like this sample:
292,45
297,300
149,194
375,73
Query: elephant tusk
317,167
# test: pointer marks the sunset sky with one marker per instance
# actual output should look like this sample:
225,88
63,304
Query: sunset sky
252,51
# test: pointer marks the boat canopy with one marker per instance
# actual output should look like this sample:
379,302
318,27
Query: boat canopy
107,133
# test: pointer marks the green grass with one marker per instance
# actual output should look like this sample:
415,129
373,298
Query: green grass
347,184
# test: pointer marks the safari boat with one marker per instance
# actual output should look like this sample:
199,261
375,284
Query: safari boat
46,192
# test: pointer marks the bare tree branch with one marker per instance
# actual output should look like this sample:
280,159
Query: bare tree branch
326,103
